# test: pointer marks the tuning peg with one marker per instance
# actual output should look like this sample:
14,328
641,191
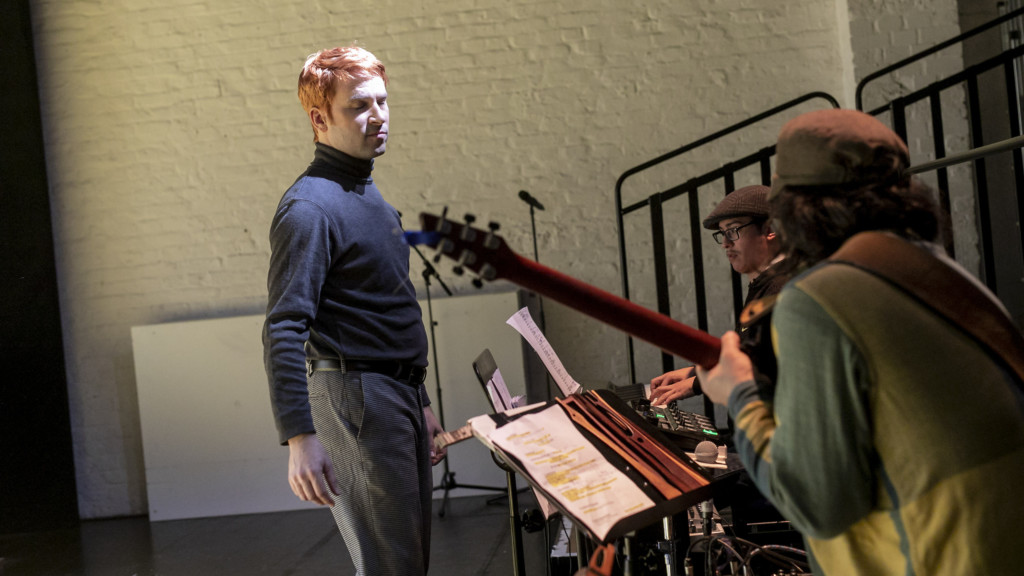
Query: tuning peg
478,283
491,241
467,258
468,234
437,258
488,272
444,227
458,270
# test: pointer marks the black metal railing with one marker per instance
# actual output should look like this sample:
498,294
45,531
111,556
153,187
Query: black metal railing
933,93
969,77
859,93
897,108
689,188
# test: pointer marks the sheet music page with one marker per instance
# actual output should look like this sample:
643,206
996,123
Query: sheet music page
558,458
482,427
501,400
528,329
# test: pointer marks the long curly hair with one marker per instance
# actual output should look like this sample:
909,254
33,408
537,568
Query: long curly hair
814,221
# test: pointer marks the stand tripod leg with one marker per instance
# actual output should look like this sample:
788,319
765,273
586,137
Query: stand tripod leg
515,525
670,553
707,514
447,482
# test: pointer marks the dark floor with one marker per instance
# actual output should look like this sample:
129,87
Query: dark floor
471,539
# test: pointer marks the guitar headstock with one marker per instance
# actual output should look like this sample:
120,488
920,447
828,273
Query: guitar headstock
483,252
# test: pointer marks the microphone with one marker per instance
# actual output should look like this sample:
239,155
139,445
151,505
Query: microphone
525,197
706,452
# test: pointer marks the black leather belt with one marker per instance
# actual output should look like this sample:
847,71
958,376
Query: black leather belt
406,373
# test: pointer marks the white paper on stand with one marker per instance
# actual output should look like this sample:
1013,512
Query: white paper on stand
527,328
569,468
501,400
483,426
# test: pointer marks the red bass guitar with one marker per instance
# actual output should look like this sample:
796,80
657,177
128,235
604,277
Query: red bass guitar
486,254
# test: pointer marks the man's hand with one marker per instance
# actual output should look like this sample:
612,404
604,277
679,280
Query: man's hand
672,386
669,393
733,368
433,429
308,466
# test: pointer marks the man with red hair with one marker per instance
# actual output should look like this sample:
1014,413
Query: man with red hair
344,344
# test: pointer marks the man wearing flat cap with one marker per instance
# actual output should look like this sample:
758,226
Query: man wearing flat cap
895,441
740,222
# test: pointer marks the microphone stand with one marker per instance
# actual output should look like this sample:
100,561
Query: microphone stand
532,202
536,258
448,482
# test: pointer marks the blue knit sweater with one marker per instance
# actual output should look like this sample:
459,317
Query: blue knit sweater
339,278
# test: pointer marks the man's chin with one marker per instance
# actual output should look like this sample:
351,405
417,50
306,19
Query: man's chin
371,154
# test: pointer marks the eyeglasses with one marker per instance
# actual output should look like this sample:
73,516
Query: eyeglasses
733,234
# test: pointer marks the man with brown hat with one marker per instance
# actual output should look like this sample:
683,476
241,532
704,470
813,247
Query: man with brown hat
873,447
740,222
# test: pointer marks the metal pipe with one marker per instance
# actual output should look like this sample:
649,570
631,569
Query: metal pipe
961,157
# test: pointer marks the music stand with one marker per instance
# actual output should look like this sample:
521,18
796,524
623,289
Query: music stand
485,368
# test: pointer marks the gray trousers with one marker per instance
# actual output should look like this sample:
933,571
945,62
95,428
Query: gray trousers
374,431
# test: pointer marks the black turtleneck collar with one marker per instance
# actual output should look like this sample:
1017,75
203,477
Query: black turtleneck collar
350,165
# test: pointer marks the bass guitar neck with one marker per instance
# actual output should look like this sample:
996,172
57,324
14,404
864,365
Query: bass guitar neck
487,254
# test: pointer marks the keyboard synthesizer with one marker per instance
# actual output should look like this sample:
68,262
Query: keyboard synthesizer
685,429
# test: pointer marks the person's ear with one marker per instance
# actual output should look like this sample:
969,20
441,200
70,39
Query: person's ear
318,120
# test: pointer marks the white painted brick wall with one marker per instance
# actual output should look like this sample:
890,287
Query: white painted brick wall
172,129
884,33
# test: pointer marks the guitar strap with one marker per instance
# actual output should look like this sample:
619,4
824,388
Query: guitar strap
947,292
